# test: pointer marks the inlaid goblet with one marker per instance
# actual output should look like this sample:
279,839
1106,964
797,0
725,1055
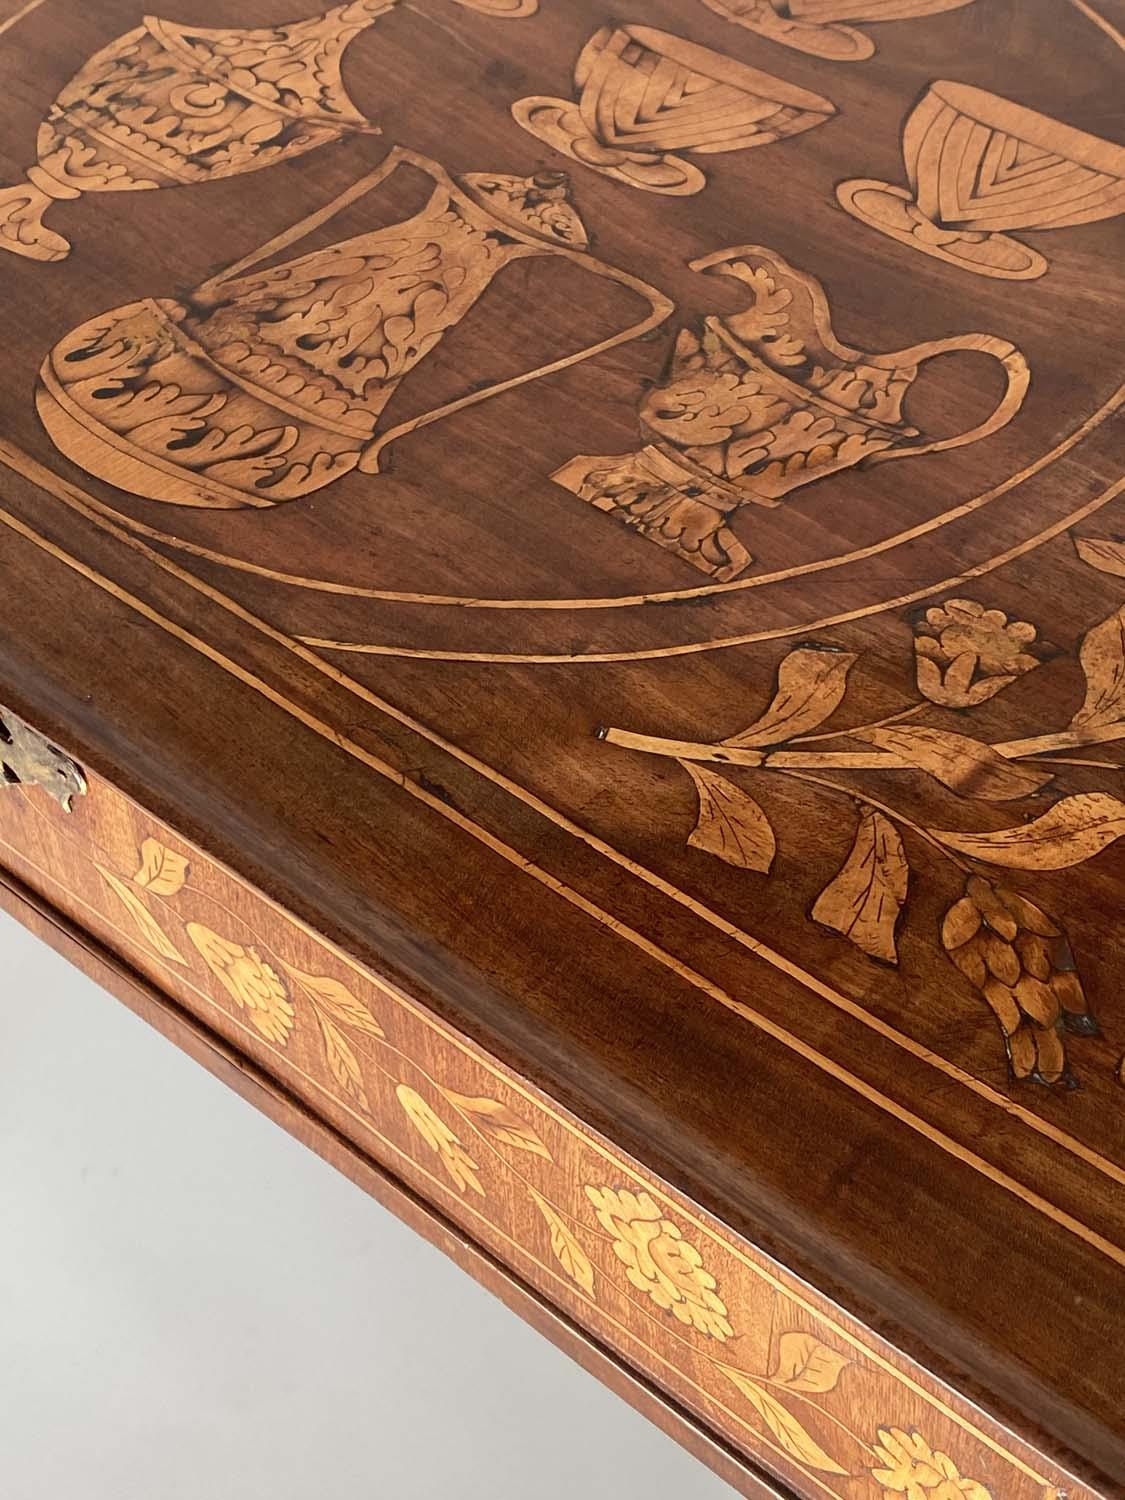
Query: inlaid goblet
645,95
979,165
822,27
167,104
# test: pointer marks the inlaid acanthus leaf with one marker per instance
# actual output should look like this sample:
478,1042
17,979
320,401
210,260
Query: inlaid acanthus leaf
337,1000
342,1061
730,824
440,1139
959,762
497,1120
564,1245
1106,556
1102,655
1074,829
146,924
864,900
794,1438
805,1364
811,683
162,870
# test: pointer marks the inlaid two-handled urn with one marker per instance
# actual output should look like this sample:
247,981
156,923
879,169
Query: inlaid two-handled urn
168,104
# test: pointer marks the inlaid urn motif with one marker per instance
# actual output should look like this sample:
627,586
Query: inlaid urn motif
761,403
645,95
264,385
168,104
978,166
825,28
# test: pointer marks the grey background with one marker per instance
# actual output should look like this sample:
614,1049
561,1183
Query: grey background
194,1307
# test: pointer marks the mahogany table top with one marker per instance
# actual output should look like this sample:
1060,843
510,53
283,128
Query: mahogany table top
572,569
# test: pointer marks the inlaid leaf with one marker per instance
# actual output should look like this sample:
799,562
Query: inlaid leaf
162,870
146,924
730,824
342,1061
959,762
498,1120
1106,556
1102,656
783,1424
337,1000
864,900
811,683
440,1139
805,1364
565,1247
1074,829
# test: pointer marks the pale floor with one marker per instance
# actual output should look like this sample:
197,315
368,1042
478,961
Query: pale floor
194,1307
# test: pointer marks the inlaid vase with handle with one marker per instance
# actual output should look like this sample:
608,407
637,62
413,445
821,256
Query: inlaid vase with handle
979,165
270,380
169,104
761,403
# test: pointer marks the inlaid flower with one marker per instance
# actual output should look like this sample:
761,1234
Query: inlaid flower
248,980
965,654
659,1261
913,1469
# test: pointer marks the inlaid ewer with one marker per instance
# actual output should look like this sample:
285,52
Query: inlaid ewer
645,95
825,28
263,385
979,165
760,403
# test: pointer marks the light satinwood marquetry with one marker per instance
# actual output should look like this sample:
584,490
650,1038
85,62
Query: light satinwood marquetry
1013,953
980,165
671,641
757,404
168,104
267,384
645,96
165,105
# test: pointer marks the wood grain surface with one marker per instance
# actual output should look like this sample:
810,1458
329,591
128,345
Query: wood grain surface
615,524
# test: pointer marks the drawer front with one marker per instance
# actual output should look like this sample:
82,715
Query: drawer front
763,1361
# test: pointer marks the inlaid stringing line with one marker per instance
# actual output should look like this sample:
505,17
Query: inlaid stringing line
544,877
782,575
78,500
21,14
1100,22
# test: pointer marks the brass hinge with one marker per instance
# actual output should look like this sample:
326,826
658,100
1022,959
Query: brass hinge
27,759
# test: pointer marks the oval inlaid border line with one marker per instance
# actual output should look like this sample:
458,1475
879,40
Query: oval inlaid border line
722,643
621,601
72,497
